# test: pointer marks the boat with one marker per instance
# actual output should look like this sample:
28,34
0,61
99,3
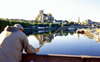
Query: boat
59,58
71,28
81,31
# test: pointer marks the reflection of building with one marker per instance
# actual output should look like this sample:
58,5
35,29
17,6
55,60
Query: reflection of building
78,36
97,37
89,34
48,38
43,38
92,34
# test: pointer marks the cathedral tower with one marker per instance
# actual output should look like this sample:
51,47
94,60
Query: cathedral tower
79,20
41,15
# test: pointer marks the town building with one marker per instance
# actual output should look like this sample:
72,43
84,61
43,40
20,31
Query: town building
79,20
44,17
88,21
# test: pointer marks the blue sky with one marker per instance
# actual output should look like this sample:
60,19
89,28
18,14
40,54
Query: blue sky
60,9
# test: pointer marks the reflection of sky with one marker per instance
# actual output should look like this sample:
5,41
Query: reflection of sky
33,41
69,45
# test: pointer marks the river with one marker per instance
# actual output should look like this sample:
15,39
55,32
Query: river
66,43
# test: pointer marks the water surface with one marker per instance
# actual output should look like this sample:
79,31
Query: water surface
67,43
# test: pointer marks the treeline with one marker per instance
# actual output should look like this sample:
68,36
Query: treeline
51,32
5,22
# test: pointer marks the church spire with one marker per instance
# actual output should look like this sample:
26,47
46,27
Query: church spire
78,19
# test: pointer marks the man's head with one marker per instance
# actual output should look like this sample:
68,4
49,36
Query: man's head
19,26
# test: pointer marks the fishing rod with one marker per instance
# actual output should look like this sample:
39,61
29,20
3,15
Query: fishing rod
72,17
49,38
53,34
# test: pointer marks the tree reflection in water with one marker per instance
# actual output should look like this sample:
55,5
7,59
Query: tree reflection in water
46,37
43,37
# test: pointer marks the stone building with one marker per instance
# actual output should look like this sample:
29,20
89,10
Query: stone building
79,20
44,17
88,21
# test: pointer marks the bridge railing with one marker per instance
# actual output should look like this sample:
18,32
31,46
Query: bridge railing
59,58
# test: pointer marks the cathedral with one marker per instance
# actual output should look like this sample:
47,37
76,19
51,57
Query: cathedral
44,17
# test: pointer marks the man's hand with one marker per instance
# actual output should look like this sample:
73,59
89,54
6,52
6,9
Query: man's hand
37,50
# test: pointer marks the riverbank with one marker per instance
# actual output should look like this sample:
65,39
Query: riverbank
40,29
31,31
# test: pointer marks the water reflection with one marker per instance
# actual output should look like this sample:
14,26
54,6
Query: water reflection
47,37
66,42
93,35
42,36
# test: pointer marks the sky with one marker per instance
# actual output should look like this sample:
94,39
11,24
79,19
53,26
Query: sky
60,9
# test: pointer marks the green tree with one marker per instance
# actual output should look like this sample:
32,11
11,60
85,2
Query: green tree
46,24
71,22
67,24
35,21
71,33
41,24
48,21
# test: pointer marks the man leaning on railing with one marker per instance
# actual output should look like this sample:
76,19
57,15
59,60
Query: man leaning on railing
12,42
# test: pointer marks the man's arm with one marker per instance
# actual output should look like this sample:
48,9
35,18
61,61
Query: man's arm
29,48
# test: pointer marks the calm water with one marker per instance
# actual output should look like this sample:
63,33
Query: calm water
63,42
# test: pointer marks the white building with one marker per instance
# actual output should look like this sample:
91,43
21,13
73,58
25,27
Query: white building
88,21
59,21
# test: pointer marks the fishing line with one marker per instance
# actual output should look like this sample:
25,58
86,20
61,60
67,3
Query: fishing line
52,34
